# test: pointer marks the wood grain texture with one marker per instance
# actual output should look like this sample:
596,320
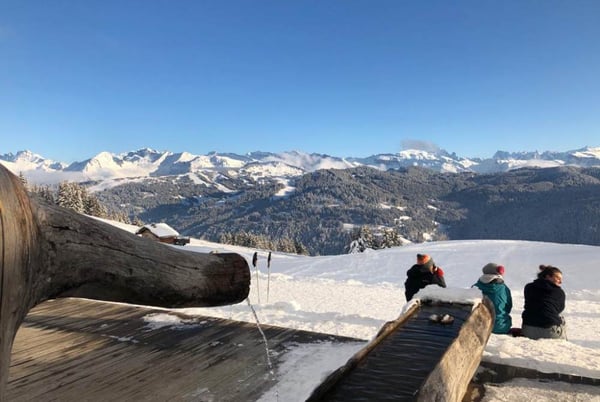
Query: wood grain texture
414,358
85,350
451,377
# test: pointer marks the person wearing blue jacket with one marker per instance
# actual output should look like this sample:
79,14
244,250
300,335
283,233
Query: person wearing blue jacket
492,285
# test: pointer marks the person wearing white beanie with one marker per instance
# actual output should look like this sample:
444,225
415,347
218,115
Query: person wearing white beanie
492,285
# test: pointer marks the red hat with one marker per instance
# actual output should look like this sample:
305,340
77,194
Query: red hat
423,259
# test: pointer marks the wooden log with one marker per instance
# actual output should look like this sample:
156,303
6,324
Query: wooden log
47,251
18,232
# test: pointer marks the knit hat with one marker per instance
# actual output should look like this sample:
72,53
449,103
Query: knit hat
424,259
493,269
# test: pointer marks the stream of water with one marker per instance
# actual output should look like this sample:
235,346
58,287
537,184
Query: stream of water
267,351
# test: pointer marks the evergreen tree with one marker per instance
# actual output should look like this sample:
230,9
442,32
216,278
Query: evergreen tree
77,198
363,238
300,248
93,207
226,238
23,180
391,238
367,236
356,246
47,194
68,197
286,245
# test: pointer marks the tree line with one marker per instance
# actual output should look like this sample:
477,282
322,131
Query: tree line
253,240
76,197
364,238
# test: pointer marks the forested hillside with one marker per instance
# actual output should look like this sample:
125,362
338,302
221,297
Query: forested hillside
324,210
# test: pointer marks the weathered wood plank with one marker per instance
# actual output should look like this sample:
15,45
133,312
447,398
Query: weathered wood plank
68,350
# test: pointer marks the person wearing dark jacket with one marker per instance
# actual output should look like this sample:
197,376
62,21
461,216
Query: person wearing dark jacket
544,303
492,285
423,273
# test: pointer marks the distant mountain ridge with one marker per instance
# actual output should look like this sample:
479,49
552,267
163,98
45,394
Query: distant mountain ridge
147,162
321,201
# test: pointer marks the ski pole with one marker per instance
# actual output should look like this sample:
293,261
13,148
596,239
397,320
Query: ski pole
268,275
254,262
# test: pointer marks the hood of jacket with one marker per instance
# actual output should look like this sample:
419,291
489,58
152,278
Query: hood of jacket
418,270
490,287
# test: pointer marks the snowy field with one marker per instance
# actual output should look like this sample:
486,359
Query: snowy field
354,295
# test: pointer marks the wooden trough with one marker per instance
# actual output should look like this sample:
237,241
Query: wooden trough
47,252
414,358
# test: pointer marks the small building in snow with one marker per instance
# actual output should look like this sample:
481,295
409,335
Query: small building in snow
163,233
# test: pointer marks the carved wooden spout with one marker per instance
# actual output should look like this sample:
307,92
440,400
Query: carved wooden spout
47,251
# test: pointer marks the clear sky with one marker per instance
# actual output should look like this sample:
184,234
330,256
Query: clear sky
345,78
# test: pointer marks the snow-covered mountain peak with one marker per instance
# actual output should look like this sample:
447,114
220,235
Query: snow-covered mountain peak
186,157
417,154
104,158
588,152
310,162
102,166
26,157
272,169
147,154
227,161
24,161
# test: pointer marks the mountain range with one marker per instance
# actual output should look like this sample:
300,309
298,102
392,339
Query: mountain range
151,163
321,201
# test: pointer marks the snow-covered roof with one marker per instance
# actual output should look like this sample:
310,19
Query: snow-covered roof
160,230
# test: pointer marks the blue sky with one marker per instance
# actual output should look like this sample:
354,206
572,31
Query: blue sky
345,78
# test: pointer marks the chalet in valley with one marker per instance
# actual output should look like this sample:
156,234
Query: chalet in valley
163,233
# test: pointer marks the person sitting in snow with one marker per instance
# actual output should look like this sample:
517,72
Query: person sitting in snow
423,273
544,303
492,285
